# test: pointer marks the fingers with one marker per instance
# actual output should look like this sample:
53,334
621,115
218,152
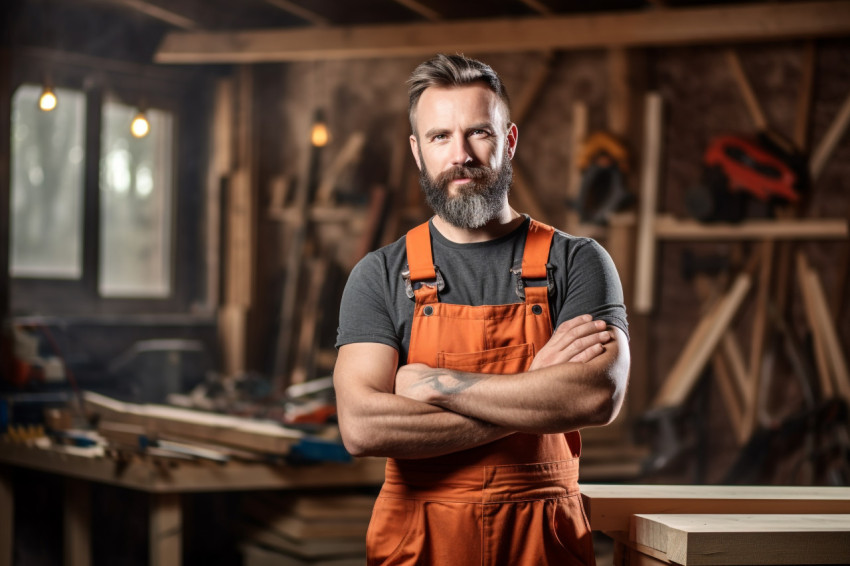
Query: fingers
577,340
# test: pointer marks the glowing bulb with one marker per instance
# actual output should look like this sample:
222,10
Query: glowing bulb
319,136
140,125
47,101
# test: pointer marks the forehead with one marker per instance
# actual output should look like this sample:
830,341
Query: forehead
439,106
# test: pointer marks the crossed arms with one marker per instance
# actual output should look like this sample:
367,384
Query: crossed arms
577,379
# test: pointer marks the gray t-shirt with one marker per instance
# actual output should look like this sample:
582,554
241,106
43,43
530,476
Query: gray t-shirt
375,307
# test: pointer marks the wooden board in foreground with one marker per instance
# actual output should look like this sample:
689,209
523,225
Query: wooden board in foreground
746,539
610,507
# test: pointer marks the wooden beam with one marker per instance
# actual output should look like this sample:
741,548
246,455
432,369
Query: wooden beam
159,13
715,24
538,6
76,525
300,12
425,11
669,228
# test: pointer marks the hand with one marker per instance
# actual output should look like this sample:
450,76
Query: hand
577,340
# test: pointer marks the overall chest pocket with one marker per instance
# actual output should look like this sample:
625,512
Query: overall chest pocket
505,360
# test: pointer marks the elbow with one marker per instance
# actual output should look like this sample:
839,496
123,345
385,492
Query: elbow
357,443
607,401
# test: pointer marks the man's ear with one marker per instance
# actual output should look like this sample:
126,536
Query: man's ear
512,138
414,147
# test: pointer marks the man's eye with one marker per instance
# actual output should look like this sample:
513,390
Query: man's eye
480,133
439,137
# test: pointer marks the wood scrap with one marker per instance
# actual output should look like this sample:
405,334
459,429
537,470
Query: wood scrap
348,157
261,436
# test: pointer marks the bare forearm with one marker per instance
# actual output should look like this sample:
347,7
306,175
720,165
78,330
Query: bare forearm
558,398
385,424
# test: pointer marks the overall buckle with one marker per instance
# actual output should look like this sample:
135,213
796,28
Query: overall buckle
438,282
520,283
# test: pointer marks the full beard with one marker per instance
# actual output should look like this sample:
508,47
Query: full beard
475,203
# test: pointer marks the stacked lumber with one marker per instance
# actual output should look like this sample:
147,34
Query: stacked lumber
192,434
327,529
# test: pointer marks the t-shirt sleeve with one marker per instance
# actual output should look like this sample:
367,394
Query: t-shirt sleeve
593,287
363,314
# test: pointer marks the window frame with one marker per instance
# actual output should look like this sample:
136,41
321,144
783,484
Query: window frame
187,99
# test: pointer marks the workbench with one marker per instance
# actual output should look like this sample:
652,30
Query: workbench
164,483
656,525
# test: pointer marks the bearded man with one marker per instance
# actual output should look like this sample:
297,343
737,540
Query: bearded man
472,350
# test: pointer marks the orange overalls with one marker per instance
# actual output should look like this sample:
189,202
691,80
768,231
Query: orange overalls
512,502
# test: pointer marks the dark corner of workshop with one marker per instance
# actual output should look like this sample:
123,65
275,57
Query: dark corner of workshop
186,185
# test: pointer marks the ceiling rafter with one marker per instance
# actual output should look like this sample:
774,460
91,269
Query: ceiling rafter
422,9
300,11
716,24
538,7
158,12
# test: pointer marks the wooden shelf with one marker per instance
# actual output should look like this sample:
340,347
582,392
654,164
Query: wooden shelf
669,228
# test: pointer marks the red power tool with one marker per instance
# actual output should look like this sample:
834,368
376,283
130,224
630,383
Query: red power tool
739,170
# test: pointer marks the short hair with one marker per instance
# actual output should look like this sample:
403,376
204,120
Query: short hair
452,71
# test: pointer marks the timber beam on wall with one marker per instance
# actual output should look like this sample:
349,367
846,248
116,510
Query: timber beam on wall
716,24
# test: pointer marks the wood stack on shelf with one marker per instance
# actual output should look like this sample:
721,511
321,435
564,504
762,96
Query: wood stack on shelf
297,529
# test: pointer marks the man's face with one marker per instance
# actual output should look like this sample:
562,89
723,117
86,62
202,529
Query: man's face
463,149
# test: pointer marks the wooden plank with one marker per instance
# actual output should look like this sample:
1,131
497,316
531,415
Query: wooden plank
188,477
7,516
577,136
714,24
830,140
347,157
305,360
262,436
609,507
831,342
166,530
804,98
750,99
758,333
649,181
746,539
619,92
77,523
221,162
701,344
827,390
669,228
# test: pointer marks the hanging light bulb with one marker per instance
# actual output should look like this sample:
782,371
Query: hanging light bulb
319,134
47,101
140,126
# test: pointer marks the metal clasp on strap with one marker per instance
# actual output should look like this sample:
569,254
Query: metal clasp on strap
438,282
520,281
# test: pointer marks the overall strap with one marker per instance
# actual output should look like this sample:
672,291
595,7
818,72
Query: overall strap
536,254
422,279
534,260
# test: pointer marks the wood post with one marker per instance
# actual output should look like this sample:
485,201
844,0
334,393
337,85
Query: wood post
77,522
649,188
166,530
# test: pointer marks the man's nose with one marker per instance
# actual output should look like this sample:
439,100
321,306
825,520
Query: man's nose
461,153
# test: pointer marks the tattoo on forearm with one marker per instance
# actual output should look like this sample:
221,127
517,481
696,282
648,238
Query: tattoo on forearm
449,382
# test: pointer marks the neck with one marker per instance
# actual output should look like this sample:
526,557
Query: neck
507,220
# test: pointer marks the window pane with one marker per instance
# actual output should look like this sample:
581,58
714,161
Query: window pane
136,204
48,150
